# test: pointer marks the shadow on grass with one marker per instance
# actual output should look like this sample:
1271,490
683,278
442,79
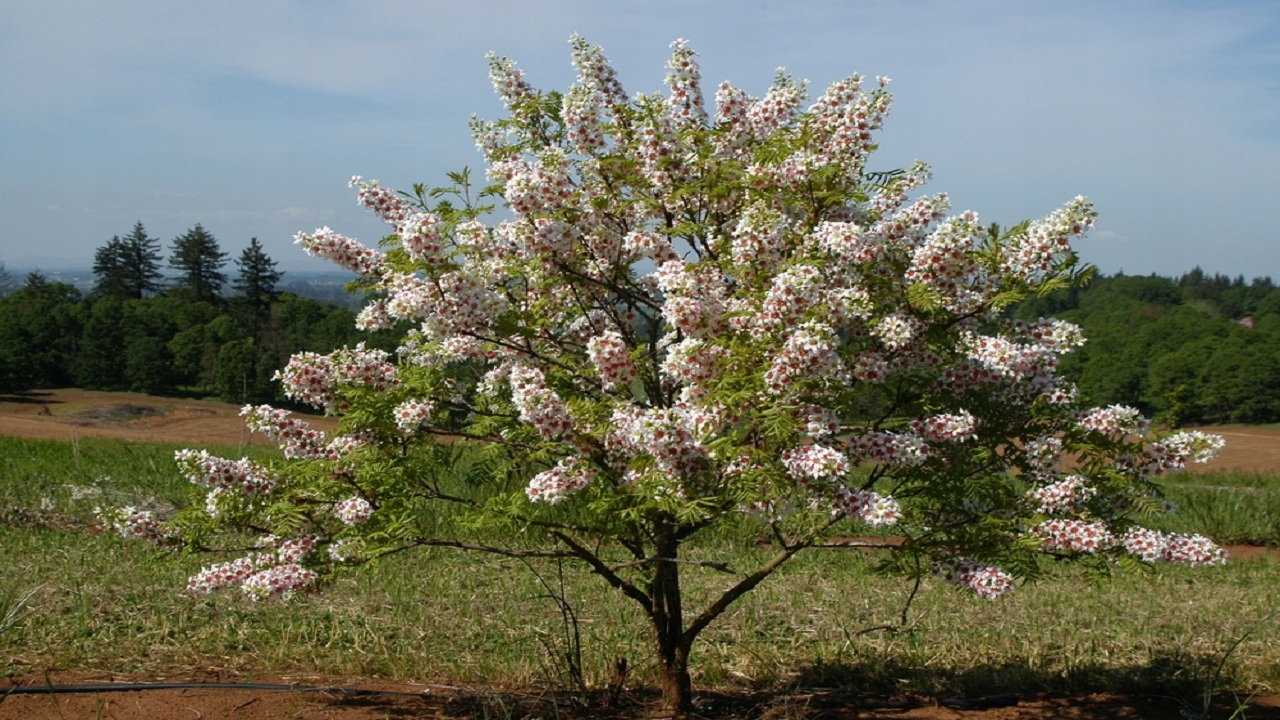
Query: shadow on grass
28,397
1168,687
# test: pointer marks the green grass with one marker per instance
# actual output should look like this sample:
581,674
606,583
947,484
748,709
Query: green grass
97,602
1230,507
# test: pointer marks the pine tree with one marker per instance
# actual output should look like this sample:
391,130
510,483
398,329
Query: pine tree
258,276
108,266
198,258
128,267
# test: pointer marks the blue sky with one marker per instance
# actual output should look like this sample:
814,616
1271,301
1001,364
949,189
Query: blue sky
249,118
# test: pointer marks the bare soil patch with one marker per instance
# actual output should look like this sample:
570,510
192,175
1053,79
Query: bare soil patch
65,414
1252,449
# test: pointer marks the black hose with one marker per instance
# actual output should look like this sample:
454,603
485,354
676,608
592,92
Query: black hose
133,687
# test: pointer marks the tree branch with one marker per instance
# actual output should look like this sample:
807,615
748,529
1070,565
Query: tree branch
749,582
598,567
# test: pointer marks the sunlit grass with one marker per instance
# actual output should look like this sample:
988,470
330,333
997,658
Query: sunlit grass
100,603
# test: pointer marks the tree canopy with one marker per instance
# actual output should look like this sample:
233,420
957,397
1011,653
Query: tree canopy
688,319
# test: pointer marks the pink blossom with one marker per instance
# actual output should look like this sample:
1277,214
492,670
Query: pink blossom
342,251
568,475
1194,550
987,581
815,462
1074,535
210,471
353,510
539,404
413,414
610,356
1064,495
279,582
869,507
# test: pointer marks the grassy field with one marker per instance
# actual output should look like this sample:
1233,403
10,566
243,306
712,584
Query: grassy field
75,598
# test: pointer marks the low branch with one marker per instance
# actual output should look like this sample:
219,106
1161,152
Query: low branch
493,549
604,571
749,582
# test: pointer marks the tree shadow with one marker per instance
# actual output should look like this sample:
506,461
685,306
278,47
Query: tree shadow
1169,685
29,397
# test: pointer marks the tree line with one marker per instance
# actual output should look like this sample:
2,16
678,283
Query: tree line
1192,350
139,330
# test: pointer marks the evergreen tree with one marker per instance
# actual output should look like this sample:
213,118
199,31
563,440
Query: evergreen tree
108,266
199,260
128,267
257,277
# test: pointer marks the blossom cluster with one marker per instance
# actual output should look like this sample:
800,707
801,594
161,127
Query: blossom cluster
670,436
891,448
808,354
610,356
987,581
229,574
1193,550
568,475
1067,494
1074,535
946,427
815,462
1114,420
296,437
278,582
342,251
538,404
215,472
134,524
1047,243
872,508
353,510
315,379
413,414
1174,452
420,233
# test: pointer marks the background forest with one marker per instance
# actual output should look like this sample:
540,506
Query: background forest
1191,350
208,327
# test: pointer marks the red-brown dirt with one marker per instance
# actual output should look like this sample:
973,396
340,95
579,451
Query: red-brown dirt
443,702
66,414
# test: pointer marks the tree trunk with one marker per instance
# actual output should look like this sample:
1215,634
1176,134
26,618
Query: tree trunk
677,688
668,624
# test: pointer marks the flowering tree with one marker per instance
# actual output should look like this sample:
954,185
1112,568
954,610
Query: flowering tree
686,317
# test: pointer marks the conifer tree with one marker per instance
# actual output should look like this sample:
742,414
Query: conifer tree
199,260
128,267
257,276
